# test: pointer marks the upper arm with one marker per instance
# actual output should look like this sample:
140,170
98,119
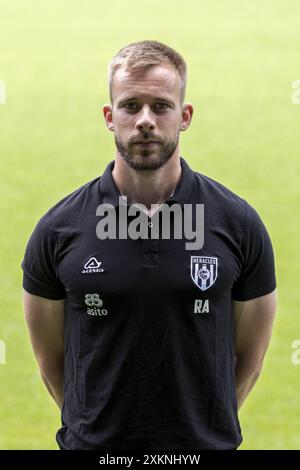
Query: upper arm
45,321
253,321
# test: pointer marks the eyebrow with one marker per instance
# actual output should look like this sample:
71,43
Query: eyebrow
156,98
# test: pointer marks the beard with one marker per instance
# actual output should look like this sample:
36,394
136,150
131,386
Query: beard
147,158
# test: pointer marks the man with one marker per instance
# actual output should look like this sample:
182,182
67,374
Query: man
143,343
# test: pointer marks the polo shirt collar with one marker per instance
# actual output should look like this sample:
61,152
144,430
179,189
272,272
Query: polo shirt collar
182,193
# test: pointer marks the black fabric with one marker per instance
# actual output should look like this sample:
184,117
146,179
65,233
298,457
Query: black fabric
143,367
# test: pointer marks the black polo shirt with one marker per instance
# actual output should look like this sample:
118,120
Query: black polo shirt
149,338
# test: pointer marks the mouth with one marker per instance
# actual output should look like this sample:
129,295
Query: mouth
146,143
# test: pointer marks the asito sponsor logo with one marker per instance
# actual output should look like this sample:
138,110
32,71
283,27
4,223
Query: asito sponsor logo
94,303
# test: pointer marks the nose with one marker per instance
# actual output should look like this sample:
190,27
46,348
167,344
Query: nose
145,119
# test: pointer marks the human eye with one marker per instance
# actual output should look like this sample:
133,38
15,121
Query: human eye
131,106
160,106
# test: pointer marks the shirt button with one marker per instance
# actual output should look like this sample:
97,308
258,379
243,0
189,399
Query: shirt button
150,224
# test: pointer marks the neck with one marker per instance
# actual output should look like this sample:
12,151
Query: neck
149,186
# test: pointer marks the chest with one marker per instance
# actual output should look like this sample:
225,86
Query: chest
124,270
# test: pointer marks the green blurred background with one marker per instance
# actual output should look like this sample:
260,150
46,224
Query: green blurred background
242,58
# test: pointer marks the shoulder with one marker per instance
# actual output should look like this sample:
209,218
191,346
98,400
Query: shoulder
219,199
69,209
225,207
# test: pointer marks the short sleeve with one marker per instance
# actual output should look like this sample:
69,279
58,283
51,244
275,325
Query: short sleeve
40,274
257,276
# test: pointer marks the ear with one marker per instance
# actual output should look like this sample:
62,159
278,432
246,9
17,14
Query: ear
186,116
107,113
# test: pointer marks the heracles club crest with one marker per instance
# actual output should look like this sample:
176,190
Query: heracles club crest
204,271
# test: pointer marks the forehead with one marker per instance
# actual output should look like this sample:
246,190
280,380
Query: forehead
158,80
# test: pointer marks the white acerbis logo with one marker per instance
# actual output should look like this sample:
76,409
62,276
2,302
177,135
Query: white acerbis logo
94,301
92,266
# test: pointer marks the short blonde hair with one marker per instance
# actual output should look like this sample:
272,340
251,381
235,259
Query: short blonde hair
144,54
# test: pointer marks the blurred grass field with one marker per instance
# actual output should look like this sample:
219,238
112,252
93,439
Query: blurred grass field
242,58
